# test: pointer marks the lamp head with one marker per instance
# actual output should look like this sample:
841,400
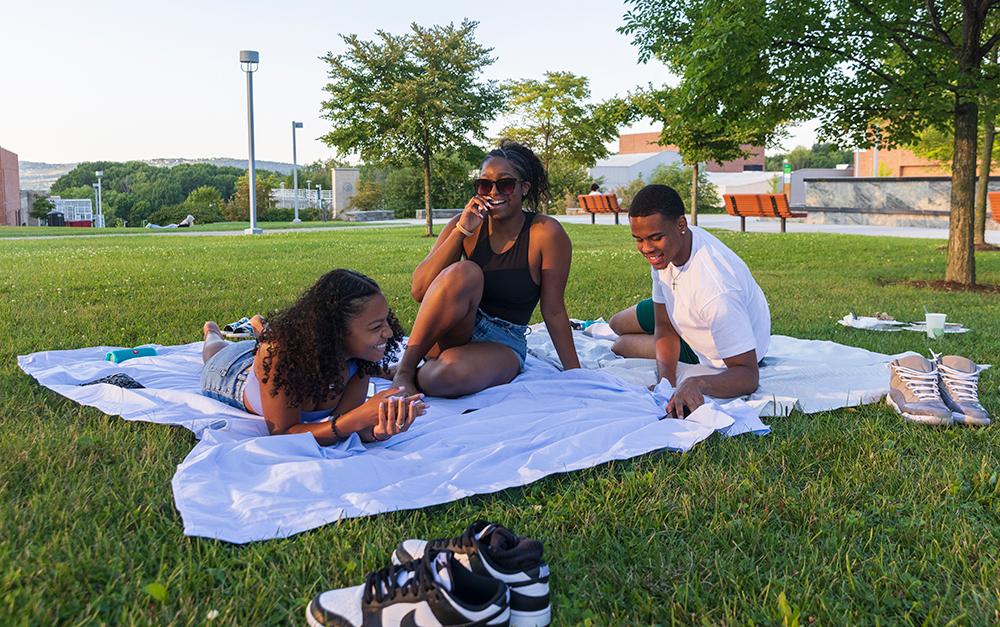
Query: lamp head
249,60
99,173
296,124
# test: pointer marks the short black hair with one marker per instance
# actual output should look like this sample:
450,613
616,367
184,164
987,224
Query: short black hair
657,199
594,187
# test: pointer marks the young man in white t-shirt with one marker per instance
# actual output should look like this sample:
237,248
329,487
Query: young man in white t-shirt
704,297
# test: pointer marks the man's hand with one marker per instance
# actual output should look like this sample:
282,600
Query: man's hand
687,398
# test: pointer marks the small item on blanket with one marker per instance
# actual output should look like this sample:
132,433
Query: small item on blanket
124,354
119,379
884,322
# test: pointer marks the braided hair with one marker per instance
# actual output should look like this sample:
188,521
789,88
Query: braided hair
529,166
307,339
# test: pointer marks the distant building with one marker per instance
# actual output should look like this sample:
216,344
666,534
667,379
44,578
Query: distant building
621,169
10,190
76,211
639,154
631,143
900,162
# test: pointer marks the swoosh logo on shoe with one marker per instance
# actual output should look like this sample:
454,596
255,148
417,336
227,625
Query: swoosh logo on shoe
409,620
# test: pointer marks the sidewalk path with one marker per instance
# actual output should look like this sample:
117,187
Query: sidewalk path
712,221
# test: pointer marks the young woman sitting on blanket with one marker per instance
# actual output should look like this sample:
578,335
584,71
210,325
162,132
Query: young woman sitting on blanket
480,284
307,370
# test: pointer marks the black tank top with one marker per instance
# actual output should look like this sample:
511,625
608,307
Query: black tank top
509,292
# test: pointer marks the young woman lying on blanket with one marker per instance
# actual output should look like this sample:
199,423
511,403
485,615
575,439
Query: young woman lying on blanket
308,369
480,284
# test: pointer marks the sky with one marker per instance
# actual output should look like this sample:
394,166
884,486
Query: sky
115,80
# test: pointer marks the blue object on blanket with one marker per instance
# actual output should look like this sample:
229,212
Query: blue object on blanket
124,354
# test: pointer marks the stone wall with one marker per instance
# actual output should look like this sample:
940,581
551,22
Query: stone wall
887,201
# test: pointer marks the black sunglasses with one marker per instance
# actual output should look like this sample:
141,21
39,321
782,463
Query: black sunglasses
485,186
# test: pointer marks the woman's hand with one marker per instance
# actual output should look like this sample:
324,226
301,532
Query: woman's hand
474,214
396,414
383,415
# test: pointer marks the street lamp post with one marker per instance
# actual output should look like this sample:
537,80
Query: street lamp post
295,171
100,208
249,59
319,200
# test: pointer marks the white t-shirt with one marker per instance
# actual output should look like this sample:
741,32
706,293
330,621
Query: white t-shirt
713,302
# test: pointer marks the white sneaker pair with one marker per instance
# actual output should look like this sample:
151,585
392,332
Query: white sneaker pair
943,391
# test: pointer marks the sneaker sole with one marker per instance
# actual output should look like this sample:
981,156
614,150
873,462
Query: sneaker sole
917,418
309,616
538,618
968,421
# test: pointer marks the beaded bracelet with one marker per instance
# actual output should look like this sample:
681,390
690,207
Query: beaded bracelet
337,434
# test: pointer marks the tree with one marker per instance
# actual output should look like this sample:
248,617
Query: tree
41,207
701,131
401,99
554,119
679,177
238,209
874,72
205,204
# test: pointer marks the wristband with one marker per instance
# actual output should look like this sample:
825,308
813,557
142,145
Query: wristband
337,434
462,230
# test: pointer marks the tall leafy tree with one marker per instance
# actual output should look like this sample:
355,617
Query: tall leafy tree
553,117
401,99
728,97
873,71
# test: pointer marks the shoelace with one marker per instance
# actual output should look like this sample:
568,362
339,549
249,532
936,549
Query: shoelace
464,541
924,385
384,584
963,386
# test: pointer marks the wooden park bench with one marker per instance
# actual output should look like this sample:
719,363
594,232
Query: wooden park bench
995,205
599,203
759,206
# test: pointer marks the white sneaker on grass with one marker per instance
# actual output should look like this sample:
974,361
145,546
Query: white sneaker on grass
959,382
489,550
434,591
914,392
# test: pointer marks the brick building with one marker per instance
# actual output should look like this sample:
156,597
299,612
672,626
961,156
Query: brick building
631,143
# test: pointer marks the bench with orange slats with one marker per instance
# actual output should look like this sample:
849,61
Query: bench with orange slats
759,206
995,205
599,203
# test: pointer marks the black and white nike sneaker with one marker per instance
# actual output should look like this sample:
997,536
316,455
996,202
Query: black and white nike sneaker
487,549
434,591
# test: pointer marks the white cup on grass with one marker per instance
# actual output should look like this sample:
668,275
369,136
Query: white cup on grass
935,325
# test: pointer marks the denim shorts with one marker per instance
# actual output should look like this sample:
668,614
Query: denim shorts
499,331
224,375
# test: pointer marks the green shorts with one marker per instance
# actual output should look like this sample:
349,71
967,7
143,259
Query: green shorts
644,312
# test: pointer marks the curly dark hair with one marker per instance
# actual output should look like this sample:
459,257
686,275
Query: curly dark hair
307,338
529,166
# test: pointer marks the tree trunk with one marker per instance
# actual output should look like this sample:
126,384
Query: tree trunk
985,161
961,266
427,195
694,194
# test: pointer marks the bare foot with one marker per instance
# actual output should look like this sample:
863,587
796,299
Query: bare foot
407,381
211,328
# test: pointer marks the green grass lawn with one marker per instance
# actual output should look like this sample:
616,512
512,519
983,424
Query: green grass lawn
55,231
849,516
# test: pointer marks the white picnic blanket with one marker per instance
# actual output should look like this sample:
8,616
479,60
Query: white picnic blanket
240,485
807,375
